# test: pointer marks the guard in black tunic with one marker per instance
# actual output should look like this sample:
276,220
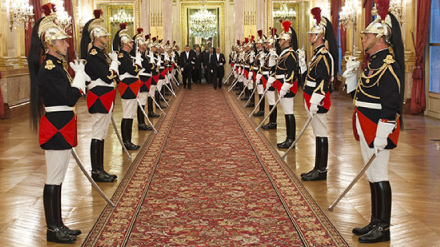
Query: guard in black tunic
144,76
103,71
53,97
129,82
258,70
268,69
323,66
376,117
284,80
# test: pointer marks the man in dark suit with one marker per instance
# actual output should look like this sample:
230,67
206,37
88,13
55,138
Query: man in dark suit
212,67
197,72
205,55
187,64
220,62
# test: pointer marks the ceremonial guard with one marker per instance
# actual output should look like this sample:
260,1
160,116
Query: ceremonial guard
153,56
253,69
323,66
103,71
258,71
268,69
52,100
284,80
247,84
376,116
129,82
240,66
144,77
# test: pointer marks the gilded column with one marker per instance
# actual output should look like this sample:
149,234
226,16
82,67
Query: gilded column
167,12
239,19
145,15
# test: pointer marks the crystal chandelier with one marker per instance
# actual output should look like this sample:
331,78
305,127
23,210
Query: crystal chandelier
64,20
203,24
21,13
284,12
121,17
348,13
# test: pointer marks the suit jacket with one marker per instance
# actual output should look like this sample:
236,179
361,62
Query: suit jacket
198,60
221,62
187,63
212,64
205,56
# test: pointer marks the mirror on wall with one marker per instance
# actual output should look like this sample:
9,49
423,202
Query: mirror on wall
115,13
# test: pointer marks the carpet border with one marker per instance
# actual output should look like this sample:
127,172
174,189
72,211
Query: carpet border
103,218
237,109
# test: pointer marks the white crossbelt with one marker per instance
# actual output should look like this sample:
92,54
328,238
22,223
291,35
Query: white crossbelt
266,72
145,74
99,82
58,108
310,84
368,105
256,68
127,75
280,76
247,66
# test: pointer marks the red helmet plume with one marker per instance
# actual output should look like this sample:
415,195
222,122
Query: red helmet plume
122,25
286,26
139,30
48,8
147,37
260,33
316,12
382,8
97,13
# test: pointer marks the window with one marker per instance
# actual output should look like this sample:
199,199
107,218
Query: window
434,48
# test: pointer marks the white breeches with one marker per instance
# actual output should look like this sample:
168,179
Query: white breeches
57,162
100,125
250,84
378,170
143,96
270,95
287,105
319,123
152,91
260,89
128,108
160,83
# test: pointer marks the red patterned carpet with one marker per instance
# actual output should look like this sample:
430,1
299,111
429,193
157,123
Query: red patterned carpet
208,179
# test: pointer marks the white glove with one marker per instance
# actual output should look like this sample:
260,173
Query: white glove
250,75
235,74
285,88
138,59
181,69
114,65
212,71
314,102
302,60
350,73
80,75
221,64
382,133
270,82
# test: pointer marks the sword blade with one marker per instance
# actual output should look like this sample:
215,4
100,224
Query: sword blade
299,136
270,112
145,115
94,185
120,138
259,102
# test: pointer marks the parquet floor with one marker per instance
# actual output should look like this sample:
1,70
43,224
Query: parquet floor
414,176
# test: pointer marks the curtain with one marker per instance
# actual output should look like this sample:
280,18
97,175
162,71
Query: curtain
28,33
418,102
368,5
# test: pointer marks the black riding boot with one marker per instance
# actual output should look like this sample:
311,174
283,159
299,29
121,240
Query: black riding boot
262,105
64,227
319,172
150,108
291,131
381,229
141,119
364,230
247,93
159,99
272,119
96,158
163,93
52,210
240,87
126,130
252,101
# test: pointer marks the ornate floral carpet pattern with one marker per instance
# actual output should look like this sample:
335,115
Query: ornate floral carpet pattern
208,179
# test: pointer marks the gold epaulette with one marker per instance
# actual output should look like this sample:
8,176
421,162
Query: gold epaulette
49,65
93,52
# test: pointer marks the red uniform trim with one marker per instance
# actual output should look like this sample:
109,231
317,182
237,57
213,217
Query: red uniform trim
69,131
326,102
264,81
108,99
47,130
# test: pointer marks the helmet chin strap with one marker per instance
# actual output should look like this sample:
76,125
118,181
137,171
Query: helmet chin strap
316,39
63,57
373,43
